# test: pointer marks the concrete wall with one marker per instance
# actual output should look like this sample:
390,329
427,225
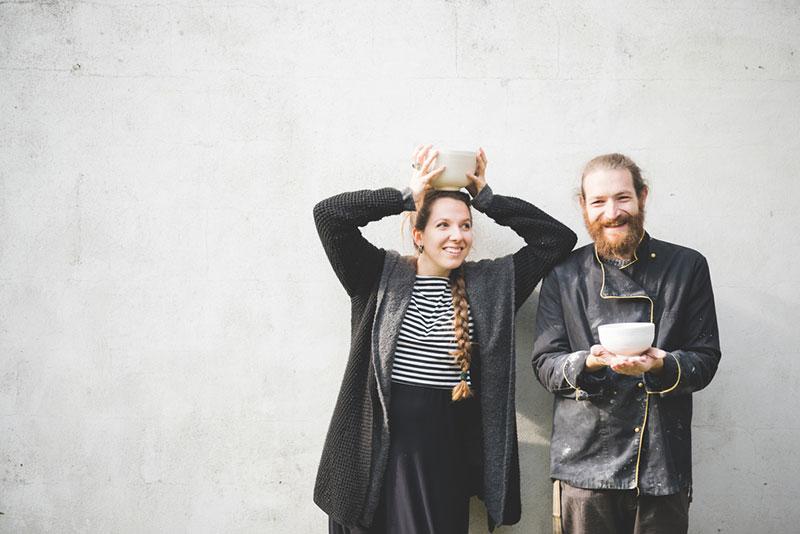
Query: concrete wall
171,336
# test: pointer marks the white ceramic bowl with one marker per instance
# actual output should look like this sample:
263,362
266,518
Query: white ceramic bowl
459,163
627,339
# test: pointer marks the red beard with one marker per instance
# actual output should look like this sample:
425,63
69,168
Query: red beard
621,246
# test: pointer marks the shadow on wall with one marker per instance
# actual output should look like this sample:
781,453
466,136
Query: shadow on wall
534,423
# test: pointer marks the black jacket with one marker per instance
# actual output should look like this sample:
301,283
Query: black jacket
610,430
379,285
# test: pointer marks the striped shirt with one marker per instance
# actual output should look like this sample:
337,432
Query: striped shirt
427,337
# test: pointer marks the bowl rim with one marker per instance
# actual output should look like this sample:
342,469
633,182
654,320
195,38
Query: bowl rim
618,326
457,152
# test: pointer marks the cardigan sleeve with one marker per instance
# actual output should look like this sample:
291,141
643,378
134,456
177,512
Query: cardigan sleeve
547,241
356,262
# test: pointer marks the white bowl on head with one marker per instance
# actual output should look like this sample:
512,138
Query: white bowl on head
627,339
459,163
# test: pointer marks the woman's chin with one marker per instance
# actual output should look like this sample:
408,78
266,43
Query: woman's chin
451,263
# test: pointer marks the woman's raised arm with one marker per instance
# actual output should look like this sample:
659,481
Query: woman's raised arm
357,262
547,241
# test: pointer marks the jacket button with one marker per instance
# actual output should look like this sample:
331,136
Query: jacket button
652,254
640,385
636,429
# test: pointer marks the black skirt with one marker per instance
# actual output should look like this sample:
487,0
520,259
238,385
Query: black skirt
434,465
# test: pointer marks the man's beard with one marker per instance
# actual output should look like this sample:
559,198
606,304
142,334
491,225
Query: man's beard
619,247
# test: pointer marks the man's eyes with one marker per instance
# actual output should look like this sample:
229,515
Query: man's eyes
601,202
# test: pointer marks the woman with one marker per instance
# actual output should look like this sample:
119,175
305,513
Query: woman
425,416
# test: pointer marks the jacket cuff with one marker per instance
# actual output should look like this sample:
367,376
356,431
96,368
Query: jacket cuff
408,200
593,382
581,381
483,199
669,378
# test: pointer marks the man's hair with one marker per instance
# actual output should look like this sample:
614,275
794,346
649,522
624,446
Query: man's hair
615,161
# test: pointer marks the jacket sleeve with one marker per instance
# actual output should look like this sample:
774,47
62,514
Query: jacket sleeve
557,366
547,241
692,366
356,262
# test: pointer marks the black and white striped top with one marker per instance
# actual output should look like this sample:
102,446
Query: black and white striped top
427,337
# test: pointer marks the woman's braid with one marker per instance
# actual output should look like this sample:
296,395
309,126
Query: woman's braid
463,352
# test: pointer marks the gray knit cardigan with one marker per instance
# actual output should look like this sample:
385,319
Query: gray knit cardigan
350,475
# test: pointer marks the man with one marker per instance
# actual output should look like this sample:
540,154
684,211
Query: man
621,444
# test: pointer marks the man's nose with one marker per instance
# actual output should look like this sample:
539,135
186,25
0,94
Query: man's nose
611,210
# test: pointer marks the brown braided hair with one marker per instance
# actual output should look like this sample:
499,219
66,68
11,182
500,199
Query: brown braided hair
463,352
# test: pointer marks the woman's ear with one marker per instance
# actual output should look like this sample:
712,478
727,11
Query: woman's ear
416,235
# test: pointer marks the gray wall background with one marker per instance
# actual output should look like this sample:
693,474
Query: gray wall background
171,335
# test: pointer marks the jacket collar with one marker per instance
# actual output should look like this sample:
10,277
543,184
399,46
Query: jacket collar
617,281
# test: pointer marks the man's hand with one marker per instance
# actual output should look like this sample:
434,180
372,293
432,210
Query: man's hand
651,361
598,358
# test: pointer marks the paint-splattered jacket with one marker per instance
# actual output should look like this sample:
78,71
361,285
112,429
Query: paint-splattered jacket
612,431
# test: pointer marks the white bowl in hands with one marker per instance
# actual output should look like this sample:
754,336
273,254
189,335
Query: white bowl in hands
459,163
627,339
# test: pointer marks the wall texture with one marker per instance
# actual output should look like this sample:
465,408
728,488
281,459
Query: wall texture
171,336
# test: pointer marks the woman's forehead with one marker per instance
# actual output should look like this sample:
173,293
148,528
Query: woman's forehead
449,208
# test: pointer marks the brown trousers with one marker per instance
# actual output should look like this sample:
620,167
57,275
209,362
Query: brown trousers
586,511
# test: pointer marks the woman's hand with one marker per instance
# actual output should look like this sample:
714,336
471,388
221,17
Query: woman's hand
422,160
477,181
